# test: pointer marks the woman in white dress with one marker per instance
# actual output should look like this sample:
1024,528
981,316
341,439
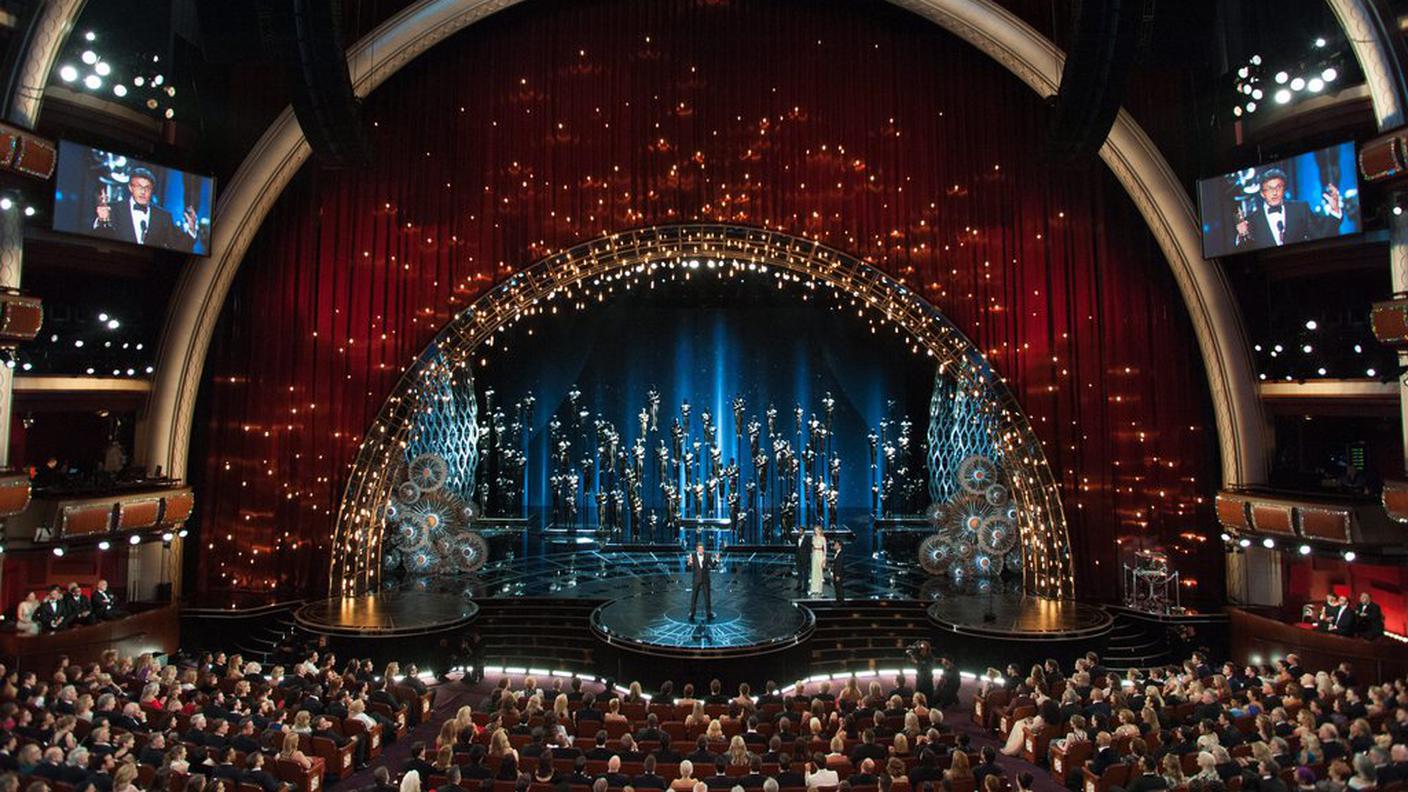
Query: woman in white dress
24,617
818,561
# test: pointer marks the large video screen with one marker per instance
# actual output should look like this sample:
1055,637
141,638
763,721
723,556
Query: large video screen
1309,196
113,196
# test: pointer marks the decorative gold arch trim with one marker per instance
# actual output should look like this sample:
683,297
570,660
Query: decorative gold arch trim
588,272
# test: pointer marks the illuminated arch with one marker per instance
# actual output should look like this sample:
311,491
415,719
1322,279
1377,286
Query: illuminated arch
586,272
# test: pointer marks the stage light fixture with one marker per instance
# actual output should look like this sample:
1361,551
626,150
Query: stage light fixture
68,72
1358,349
30,211
1251,107
1282,96
168,536
1298,84
59,551
93,82
134,539
1316,85
1282,77
1350,555
1397,210
105,545
7,204
113,324
1329,74
1311,324
1268,543
1305,549
1244,542
1257,94
102,68
90,36
1226,537
1320,371
119,90
1237,111
89,57
1242,72
1319,42
183,533
1307,349
1371,373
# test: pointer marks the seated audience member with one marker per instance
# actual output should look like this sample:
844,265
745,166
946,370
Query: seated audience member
819,774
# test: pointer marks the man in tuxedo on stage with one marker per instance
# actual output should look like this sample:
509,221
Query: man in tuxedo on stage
1369,618
139,220
1279,221
701,564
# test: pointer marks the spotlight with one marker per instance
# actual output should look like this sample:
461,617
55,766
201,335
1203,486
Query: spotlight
1256,60
1282,77
1397,210
1244,542
1243,72
1349,555
6,203
167,537
1307,349
134,539
102,68
1305,549
1316,85
1257,94
1251,107
1371,373
113,324
29,211
183,533
90,36
1329,74
105,545
1237,111
119,90
1358,349
78,343
1320,371
1311,324
158,80
1282,96
59,551
1319,42
1268,543
1297,84
89,57
68,72
1226,537
27,366
139,81
169,113
93,82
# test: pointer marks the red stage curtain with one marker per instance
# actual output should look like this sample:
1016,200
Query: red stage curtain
554,123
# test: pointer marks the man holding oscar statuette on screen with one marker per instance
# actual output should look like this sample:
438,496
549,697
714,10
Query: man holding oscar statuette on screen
1279,221
140,220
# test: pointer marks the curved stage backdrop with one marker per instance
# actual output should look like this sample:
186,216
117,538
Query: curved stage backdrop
547,126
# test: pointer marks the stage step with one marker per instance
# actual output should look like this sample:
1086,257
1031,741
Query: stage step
537,632
1135,644
862,635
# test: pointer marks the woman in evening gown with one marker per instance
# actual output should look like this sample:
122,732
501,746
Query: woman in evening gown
818,561
24,618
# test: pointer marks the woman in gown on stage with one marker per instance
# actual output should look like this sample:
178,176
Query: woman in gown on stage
818,561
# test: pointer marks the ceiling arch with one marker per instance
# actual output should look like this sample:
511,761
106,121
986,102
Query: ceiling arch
1129,153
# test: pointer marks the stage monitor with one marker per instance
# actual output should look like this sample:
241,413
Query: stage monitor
112,196
1298,199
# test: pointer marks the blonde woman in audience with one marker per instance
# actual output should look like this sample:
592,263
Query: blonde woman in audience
449,734
465,727
1207,768
303,722
900,746
959,770
1172,771
697,718
738,754
1127,727
499,745
850,691
613,712
837,756
289,752
714,732
559,709
444,757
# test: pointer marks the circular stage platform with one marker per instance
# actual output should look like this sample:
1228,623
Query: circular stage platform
388,614
1020,628
658,623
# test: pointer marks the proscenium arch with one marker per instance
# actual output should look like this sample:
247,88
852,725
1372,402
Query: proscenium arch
587,272
1133,158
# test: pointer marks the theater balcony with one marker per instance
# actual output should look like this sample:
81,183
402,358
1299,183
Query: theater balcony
1349,525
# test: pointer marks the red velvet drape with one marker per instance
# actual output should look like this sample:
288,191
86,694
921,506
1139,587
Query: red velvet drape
855,123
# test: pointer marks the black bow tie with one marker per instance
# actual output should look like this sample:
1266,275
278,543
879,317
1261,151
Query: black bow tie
1272,210
139,208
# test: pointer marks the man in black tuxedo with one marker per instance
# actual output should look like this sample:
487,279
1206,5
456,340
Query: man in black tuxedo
1343,621
648,779
1369,617
104,602
52,615
141,221
1279,221
837,578
1148,780
701,564
720,779
614,777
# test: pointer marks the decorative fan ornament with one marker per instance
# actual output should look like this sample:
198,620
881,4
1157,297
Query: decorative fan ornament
1014,563
983,565
935,552
412,536
976,473
964,551
468,552
391,559
997,536
469,512
407,492
966,516
438,511
958,571
997,495
421,562
937,514
429,472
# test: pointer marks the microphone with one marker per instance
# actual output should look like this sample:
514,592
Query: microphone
1281,232
143,226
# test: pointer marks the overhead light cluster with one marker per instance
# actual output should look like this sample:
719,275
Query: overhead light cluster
137,80
1311,349
101,346
1320,68
1237,544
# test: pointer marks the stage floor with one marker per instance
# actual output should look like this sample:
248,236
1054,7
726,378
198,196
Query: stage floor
745,621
